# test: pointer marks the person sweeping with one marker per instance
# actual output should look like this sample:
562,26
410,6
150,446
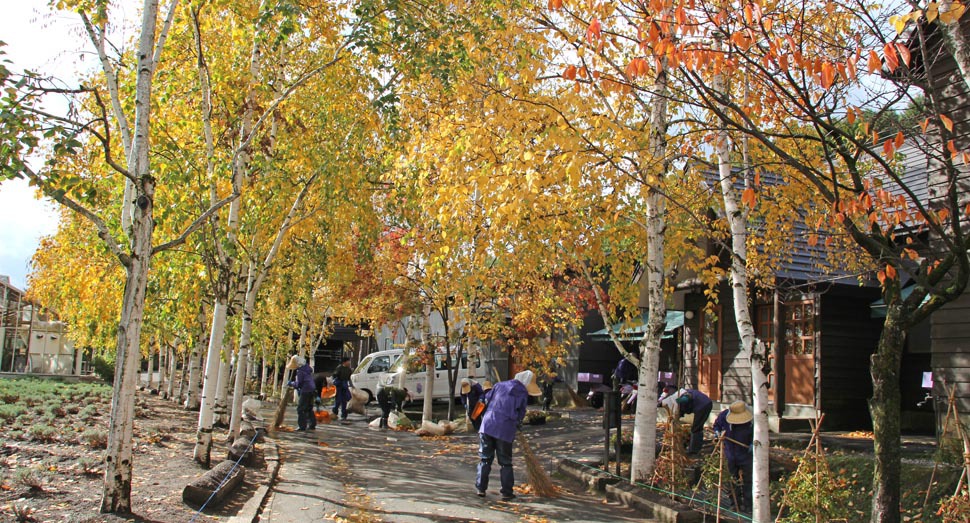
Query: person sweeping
389,398
506,405
733,425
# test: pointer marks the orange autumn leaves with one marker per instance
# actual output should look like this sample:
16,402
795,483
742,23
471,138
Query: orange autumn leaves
782,52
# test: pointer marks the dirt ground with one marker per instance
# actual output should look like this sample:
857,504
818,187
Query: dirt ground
71,474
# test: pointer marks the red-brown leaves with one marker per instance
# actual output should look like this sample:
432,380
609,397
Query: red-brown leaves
637,67
875,63
890,272
594,31
947,122
827,75
748,197
904,53
892,59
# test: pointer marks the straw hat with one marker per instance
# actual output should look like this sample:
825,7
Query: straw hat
296,361
738,413
487,385
466,385
528,379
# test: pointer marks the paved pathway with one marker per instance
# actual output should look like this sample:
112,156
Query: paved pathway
354,473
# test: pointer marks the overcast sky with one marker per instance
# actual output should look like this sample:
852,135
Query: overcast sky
46,43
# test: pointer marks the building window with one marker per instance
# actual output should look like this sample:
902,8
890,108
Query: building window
711,331
764,329
800,328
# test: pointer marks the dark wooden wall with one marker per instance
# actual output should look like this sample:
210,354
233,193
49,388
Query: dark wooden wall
735,367
848,337
950,326
950,335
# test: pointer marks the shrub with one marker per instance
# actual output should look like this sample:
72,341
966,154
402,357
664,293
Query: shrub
22,513
10,412
42,432
94,438
32,478
89,411
54,409
955,509
104,368
88,465
822,498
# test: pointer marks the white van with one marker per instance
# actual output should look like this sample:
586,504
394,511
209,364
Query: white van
414,381
368,374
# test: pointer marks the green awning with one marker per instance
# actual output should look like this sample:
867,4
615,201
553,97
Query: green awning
878,307
630,331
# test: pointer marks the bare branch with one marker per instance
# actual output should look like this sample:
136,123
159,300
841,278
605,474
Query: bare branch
194,226
163,34
62,198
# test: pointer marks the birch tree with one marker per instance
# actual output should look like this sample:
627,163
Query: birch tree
256,275
751,347
822,93
132,246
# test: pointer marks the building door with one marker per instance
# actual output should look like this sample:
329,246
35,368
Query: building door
764,327
709,353
800,352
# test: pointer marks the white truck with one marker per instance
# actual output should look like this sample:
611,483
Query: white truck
368,374
414,381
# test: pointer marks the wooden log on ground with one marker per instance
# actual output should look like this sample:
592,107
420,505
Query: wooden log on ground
241,450
200,490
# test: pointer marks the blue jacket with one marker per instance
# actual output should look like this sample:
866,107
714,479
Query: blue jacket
506,410
625,370
692,401
741,432
304,380
474,394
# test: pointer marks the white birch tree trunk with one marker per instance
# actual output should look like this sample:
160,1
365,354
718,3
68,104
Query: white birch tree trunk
173,370
163,360
116,493
203,443
276,373
256,276
737,218
253,282
195,367
222,389
264,374
284,376
150,378
643,458
179,396
426,410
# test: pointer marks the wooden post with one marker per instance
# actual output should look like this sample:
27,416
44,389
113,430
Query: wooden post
936,463
812,441
720,478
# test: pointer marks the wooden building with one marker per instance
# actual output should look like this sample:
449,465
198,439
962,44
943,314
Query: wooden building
820,335
947,332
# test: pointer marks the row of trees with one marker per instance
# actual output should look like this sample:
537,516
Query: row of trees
287,162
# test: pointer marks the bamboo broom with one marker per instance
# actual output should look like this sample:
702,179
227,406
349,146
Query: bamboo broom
542,484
